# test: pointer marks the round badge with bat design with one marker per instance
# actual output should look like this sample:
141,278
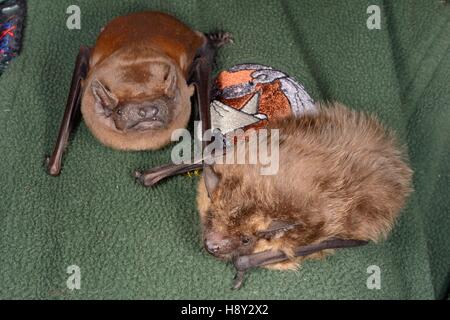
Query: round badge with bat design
247,96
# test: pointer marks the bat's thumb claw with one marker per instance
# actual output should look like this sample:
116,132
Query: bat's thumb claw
52,169
144,178
238,280
138,175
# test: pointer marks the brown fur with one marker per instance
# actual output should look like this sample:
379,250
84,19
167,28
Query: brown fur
341,174
125,60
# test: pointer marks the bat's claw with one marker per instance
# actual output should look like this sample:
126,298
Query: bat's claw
137,174
52,169
220,38
139,177
146,179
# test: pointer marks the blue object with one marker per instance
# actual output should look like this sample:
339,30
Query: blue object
12,15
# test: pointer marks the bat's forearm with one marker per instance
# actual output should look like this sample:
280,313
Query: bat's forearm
72,109
151,177
264,258
244,263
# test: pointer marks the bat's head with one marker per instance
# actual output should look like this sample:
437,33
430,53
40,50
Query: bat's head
237,220
230,233
139,98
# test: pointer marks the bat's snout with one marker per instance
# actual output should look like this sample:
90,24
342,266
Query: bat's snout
141,116
218,245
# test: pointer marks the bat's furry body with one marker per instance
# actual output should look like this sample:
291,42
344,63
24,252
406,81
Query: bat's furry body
341,175
132,58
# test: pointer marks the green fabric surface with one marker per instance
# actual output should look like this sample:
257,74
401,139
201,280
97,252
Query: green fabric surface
132,242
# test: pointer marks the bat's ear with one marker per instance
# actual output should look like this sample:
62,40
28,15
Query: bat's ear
211,179
103,97
170,81
277,229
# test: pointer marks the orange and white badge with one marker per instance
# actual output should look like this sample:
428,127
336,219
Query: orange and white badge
247,96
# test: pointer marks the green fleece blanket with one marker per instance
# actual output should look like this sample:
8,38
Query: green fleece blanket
132,242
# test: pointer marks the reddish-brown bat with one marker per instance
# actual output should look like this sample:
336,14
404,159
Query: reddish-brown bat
134,86
342,181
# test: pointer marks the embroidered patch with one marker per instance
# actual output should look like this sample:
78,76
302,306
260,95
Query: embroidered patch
247,96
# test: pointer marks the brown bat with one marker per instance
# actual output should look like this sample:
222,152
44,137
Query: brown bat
342,181
135,85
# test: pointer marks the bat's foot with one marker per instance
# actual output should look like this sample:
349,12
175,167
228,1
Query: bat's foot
52,168
220,38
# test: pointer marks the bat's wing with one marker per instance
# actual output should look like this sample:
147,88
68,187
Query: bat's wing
72,109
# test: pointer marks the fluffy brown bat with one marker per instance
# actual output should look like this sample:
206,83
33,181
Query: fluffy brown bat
342,181
135,84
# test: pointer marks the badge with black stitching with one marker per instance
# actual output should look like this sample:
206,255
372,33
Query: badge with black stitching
247,96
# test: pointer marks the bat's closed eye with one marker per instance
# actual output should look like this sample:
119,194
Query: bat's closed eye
245,240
